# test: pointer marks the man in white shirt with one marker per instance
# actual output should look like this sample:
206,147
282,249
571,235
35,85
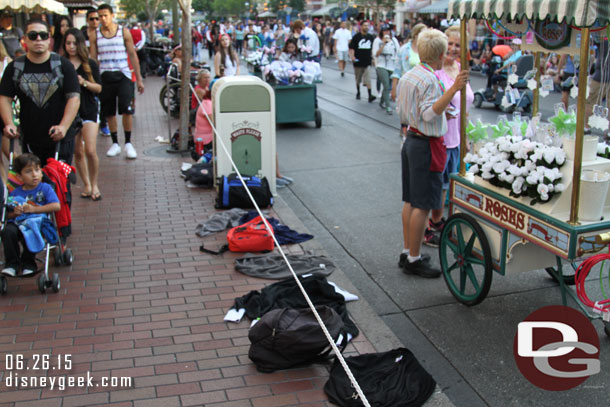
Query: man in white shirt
307,38
342,38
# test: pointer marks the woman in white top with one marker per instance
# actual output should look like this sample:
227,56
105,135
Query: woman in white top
385,50
226,61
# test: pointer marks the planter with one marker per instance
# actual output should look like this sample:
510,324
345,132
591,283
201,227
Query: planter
589,148
593,191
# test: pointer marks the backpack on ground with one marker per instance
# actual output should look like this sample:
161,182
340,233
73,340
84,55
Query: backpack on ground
200,174
389,379
288,337
232,194
252,236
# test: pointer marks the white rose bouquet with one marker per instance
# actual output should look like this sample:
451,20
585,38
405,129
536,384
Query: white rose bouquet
524,167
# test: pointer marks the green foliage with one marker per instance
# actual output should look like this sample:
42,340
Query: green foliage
206,6
149,8
377,4
229,7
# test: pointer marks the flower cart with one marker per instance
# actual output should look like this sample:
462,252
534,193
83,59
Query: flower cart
294,84
526,202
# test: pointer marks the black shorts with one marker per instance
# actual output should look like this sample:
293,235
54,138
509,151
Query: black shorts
122,90
420,187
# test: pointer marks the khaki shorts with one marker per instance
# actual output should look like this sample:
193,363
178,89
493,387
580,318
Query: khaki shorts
594,90
363,75
342,56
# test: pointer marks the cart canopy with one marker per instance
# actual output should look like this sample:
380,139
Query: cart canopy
580,13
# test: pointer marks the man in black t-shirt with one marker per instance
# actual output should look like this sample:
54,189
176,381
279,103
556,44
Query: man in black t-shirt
49,97
360,52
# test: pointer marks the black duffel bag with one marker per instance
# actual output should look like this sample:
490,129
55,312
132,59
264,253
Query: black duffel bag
389,379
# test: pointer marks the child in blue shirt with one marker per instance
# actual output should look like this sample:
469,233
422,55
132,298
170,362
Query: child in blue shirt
38,198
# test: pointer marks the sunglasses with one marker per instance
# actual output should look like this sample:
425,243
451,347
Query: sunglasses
33,35
93,18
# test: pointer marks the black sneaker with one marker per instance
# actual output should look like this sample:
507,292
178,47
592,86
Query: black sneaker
421,268
402,260
358,96
342,73
372,98
437,227
432,238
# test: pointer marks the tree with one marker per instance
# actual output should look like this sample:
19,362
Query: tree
150,7
205,6
229,7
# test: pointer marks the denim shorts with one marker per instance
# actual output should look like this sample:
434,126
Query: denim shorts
452,165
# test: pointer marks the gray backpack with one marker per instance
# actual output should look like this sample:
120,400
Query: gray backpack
288,337
19,66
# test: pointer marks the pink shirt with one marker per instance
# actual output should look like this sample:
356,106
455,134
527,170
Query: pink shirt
452,138
203,128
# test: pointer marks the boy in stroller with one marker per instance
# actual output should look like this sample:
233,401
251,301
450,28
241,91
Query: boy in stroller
31,204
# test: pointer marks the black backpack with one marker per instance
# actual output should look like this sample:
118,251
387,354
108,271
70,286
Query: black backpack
200,174
288,337
392,379
232,194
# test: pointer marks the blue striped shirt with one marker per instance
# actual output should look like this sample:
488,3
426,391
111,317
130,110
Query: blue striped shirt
418,90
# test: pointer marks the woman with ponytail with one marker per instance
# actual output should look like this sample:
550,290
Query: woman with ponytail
85,154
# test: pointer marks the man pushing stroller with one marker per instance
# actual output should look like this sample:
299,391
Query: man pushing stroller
29,221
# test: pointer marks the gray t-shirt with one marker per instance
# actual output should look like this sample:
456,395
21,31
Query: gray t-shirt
602,63
11,38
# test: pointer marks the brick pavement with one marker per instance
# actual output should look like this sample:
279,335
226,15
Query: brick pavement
141,301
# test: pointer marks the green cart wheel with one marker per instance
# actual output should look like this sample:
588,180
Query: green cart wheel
465,259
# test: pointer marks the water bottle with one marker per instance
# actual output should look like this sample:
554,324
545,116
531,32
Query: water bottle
199,146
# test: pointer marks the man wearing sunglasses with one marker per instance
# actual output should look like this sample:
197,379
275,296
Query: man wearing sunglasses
93,21
48,91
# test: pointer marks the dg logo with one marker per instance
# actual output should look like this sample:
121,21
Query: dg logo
556,348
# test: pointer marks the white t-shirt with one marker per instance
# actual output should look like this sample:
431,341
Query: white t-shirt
388,56
343,37
311,40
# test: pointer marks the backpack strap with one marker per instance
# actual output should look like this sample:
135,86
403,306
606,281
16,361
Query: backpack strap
18,67
224,248
56,69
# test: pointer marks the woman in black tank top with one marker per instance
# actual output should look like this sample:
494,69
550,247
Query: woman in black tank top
85,156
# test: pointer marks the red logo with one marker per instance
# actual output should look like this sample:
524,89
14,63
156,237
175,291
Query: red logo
556,348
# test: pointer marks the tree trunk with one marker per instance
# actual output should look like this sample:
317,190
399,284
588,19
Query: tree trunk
185,102
175,22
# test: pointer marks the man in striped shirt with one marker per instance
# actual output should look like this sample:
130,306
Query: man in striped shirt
112,45
422,100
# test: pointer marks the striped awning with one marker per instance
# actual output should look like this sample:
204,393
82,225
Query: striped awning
34,6
580,13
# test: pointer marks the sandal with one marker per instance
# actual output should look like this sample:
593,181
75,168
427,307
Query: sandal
97,197
85,195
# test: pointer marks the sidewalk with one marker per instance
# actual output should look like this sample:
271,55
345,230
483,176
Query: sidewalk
141,301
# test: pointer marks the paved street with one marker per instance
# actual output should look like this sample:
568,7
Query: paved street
347,192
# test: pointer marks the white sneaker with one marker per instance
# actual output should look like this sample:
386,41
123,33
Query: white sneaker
27,272
130,151
9,271
114,150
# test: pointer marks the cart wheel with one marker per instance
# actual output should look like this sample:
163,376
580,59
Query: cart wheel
567,278
57,256
42,284
471,259
3,285
318,116
478,100
607,329
68,257
55,283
